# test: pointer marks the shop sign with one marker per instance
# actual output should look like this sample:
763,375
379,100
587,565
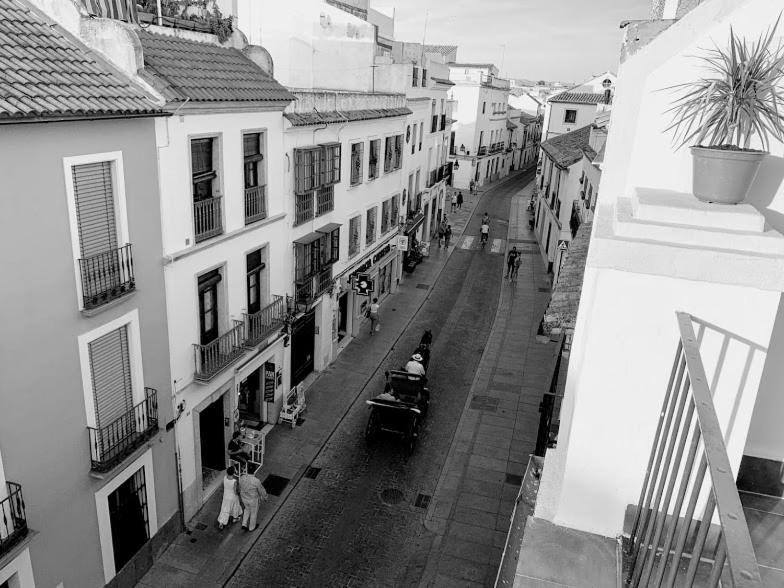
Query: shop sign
402,242
269,381
382,252
363,285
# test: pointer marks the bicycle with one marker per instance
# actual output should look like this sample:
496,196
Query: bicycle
484,238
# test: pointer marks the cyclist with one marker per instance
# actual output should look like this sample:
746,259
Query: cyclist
486,219
485,231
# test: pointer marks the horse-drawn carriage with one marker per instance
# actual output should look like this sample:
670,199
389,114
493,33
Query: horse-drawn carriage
402,407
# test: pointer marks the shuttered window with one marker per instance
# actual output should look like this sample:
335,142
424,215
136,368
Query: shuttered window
203,168
110,366
307,169
95,213
388,154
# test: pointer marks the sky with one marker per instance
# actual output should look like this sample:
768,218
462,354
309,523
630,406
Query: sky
555,40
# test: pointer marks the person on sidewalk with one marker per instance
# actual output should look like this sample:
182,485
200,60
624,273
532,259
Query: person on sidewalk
484,231
459,200
510,261
454,201
235,449
231,507
251,491
441,231
518,260
447,236
471,186
373,316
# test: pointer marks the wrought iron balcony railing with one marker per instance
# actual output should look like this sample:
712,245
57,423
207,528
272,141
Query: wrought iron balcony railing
207,218
323,281
255,204
112,443
13,520
304,292
217,355
685,520
482,150
261,324
106,276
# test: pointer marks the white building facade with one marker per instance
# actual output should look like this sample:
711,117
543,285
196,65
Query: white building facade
578,106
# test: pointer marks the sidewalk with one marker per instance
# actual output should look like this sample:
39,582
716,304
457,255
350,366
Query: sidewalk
203,556
474,499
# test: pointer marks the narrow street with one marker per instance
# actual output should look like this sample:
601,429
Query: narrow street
358,519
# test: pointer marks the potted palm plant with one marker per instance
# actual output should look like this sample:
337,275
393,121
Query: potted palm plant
723,112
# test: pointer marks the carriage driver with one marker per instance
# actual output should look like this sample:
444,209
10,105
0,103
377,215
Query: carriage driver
414,366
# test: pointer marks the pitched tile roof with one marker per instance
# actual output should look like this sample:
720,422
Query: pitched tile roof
201,72
578,98
442,81
47,73
440,49
562,310
527,118
568,148
302,119
510,125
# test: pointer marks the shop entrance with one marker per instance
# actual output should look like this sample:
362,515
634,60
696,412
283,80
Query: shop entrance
213,450
342,315
250,400
302,347
128,518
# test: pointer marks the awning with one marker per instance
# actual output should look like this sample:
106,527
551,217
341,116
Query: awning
309,238
326,229
408,229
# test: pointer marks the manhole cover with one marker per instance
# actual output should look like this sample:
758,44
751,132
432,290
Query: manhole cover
392,496
312,472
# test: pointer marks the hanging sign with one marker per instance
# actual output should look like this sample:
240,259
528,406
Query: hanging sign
402,242
363,285
269,382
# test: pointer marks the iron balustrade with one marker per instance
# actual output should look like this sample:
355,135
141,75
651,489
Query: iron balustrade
482,150
550,406
106,276
303,208
325,200
255,204
323,281
261,324
207,218
663,532
111,444
13,519
304,292
216,355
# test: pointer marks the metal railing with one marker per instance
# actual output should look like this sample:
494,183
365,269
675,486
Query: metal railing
13,520
255,204
261,324
323,281
216,355
482,150
207,218
325,200
107,276
111,444
688,444
550,407
303,208
304,292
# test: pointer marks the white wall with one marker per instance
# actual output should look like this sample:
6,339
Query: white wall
556,112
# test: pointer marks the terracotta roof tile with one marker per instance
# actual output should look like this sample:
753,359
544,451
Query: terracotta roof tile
336,116
562,310
203,72
47,73
578,98
568,148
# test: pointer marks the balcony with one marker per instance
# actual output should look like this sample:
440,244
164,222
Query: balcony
13,521
432,178
262,324
207,218
309,288
217,355
496,147
440,174
255,204
106,276
111,444
482,150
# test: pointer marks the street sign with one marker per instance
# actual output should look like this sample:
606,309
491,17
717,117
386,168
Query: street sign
562,245
269,382
363,285
402,243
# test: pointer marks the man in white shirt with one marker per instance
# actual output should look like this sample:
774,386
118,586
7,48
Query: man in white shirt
485,232
414,366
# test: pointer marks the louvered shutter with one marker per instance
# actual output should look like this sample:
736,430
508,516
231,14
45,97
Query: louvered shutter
110,366
95,208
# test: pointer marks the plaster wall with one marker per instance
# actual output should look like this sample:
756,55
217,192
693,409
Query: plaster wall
555,114
43,384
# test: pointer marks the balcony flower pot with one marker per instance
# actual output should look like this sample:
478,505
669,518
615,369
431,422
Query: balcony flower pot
724,175
740,99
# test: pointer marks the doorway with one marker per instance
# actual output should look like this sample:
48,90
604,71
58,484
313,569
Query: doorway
342,315
303,332
250,400
128,517
213,443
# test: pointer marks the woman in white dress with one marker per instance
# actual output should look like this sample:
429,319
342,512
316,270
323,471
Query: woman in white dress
231,507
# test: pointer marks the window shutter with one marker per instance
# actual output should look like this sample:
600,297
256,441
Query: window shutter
110,366
95,208
201,156
299,171
336,158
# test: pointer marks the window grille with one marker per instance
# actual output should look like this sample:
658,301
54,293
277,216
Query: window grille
356,163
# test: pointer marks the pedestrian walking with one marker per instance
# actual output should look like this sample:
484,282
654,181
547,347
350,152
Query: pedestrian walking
510,261
518,260
251,491
447,236
486,219
231,507
459,200
375,324
472,186
441,231
454,201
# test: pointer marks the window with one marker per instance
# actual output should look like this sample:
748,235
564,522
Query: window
354,227
203,168
255,267
394,211
421,134
370,225
208,306
413,140
307,169
356,163
415,77
398,163
373,159
424,77
129,518
484,105
254,175
325,200
316,170
385,206
331,171
570,116
313,257
110,370
388,154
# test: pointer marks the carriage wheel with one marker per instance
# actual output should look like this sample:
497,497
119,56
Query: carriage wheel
372,427
411,437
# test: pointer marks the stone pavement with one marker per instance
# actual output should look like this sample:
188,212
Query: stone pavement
474,499
202,556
